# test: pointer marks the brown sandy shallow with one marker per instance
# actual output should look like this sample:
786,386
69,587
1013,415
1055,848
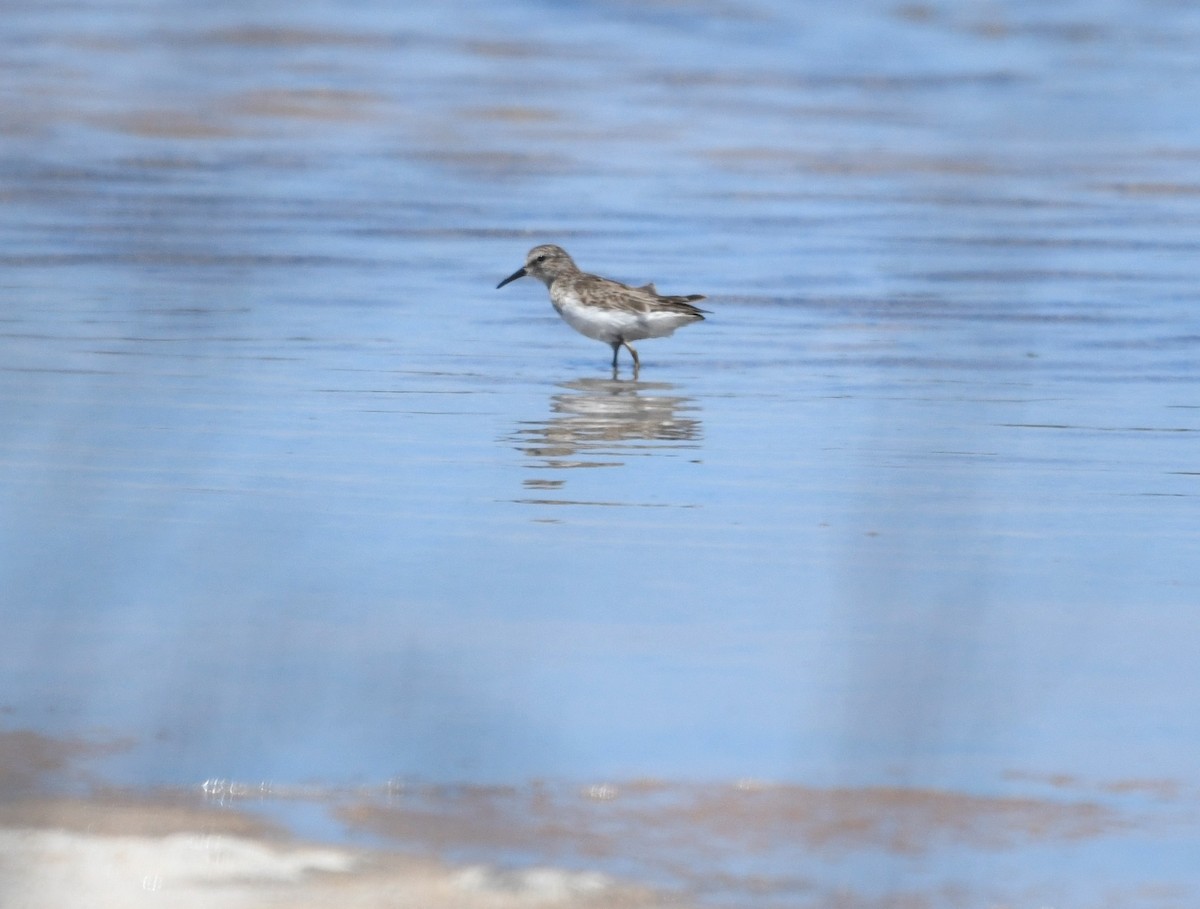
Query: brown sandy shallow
632,843
116,849
113,849
129,851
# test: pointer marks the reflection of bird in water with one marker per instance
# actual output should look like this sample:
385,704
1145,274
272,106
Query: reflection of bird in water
604,309
609,417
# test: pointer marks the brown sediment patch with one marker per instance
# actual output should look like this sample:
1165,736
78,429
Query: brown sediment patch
277,36
801,82
864,164
497,164
168,124
1162,189
164,163
1155,788
613,818
306,104
1165,790
118,813
27,758
512,114
915,12
507,50
1057,780
1070,32
895,819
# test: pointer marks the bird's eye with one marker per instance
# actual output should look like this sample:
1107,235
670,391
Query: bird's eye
539,259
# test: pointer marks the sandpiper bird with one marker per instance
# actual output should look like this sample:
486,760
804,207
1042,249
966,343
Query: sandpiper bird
606,310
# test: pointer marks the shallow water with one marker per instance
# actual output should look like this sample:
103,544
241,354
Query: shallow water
291,493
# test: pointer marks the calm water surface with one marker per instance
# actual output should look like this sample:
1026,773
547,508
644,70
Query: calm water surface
290,493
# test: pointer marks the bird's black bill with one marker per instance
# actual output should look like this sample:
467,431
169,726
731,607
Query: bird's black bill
519,273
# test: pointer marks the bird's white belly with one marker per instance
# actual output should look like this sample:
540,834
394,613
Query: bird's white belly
608,325
614,325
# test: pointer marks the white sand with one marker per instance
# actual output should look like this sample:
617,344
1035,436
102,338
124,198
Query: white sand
60,869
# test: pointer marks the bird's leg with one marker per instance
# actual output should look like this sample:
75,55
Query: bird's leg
616,346
632,353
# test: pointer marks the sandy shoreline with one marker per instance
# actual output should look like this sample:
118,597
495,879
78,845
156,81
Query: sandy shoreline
110,855
68,839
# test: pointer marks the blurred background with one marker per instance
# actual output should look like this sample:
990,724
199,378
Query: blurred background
876,588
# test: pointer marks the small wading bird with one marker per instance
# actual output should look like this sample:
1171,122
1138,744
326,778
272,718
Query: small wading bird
608,311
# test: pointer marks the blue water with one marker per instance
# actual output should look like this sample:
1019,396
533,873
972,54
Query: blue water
290,492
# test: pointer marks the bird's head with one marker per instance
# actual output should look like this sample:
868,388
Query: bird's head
545,263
